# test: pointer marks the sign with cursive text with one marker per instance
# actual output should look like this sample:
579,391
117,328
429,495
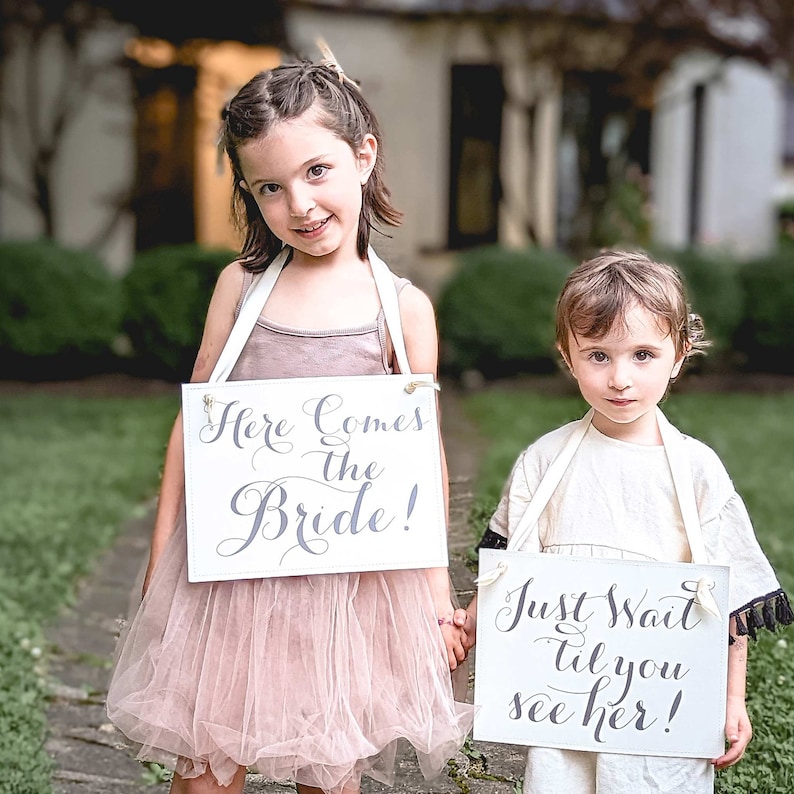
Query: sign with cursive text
601,655
312,475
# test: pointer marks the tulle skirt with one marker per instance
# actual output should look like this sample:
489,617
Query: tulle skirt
313,679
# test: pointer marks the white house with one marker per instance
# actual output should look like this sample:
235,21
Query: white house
483,136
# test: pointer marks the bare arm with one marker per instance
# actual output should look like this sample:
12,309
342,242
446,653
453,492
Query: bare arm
738,730
220,319
421,345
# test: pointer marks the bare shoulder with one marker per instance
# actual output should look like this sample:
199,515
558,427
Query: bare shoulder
220,319
415,304
230,280
419,329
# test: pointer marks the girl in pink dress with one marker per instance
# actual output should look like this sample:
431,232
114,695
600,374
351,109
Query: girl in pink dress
314,678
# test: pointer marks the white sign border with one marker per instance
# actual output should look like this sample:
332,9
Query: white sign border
490,664
426,551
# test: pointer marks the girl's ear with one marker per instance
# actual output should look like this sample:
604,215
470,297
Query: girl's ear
565,359
244,185
679,363
367,156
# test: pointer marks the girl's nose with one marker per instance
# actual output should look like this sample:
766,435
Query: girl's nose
300,203
619,378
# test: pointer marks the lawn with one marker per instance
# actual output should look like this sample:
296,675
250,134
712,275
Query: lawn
754,436
72,470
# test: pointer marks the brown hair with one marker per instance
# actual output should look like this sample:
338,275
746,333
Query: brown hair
598,293
284,93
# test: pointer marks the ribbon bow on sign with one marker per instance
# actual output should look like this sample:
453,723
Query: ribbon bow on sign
704,598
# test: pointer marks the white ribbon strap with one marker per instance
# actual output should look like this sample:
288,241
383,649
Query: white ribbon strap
254,302
674,447
413,385
684,488
384,282
490,576
526,530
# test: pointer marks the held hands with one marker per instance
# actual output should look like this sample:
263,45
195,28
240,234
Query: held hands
459,636
454,639
738,732
468,624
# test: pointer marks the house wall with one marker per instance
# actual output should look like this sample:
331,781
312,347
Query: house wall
741,161
404,68
94,169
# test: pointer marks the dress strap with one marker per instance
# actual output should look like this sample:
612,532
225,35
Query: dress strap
678,458
387,292
262,285
527,529
526,532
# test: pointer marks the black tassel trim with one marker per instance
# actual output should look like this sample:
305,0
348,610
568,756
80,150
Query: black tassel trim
492,540
754,621
783,611
769,612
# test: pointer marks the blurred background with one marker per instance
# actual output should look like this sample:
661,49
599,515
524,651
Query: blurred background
521,135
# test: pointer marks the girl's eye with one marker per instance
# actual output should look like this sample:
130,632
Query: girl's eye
598,356
643,355
318,171
270,188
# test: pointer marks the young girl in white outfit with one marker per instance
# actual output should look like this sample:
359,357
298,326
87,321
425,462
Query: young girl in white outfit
624,332
314,678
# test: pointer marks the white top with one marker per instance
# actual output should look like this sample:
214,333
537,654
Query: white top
617,500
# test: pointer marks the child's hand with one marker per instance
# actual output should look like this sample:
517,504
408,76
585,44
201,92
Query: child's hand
738,732
454,640
464,620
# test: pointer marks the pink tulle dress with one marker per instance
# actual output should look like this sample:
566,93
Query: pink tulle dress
314,679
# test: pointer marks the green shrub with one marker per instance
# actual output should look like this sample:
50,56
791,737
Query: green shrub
496,313
766,336
167,292
60,310
716,294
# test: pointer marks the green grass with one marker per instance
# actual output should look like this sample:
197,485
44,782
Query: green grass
72,470
754,436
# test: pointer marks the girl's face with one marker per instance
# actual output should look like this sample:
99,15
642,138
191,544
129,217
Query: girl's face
625,374
307,183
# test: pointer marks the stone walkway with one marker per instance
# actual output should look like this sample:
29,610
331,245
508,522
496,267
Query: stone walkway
91,757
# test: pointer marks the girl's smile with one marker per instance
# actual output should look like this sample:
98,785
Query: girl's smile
307,184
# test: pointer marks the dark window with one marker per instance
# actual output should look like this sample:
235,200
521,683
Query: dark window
696,175
476,129
163,200
788,128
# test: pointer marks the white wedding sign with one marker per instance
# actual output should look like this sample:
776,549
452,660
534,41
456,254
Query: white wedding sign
601,655
312,475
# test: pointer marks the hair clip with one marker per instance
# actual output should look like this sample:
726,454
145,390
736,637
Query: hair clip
329,60
695,328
